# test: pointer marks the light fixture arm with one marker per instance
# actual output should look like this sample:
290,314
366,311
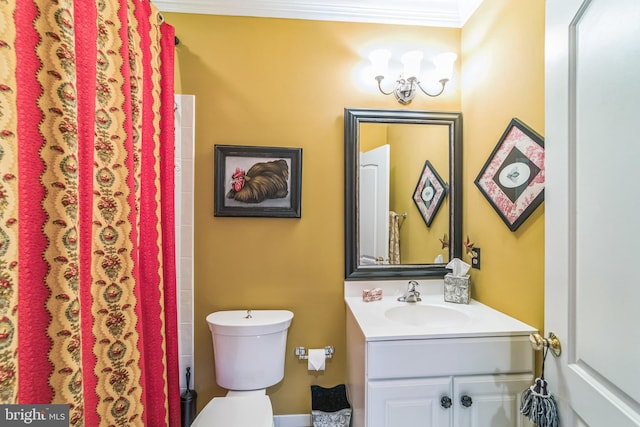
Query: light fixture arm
443,83
379,79
405,89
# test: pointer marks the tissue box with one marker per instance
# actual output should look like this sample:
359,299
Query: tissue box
369,295
457,289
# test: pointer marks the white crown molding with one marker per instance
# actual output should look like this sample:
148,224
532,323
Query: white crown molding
435,13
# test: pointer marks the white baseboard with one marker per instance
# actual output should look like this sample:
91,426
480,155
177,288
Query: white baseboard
295,420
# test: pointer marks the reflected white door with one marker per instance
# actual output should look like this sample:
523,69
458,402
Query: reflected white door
374,205
592,209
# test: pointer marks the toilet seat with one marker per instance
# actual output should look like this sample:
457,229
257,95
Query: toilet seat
236,411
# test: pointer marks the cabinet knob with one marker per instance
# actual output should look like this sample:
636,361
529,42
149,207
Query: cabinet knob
466,401
445,402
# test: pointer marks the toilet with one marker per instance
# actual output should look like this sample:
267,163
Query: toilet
248,350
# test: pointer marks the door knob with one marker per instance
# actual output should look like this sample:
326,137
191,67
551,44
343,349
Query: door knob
538,342
466,401
445,402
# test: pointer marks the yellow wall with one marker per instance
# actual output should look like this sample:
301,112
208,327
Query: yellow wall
502,78
419,244
285,83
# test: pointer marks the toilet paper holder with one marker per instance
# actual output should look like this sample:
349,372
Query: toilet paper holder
301,352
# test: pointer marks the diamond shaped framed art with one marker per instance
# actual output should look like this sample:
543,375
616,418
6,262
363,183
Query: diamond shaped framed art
512,179
429,193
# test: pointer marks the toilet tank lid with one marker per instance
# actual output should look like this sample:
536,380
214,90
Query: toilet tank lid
237,322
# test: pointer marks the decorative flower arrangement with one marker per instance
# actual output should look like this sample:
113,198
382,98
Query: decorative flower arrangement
444,241
468,245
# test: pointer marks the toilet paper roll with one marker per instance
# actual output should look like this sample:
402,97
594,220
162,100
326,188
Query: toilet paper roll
316,359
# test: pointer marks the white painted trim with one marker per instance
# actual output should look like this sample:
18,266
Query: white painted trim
435,13
296,420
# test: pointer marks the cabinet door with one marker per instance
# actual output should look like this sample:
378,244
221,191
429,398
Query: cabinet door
408,403
490,400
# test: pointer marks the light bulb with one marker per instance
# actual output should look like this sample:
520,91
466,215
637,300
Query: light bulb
380,62
411,61
444,65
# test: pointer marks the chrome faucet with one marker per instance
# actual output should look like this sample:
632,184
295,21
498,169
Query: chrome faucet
412,295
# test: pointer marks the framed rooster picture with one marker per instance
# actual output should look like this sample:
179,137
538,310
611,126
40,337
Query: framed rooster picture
257,181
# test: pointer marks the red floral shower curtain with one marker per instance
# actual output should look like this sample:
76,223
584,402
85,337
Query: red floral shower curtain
87,269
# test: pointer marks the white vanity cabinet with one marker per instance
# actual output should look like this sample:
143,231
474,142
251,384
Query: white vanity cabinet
474,401
407,403
490,400
460,381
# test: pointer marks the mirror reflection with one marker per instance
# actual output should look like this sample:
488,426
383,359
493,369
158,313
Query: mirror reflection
392,159
402,197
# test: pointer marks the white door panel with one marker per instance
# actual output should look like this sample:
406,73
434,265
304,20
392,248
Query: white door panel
607,152
592,143
373,233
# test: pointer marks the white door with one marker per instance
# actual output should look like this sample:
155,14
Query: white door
592,209
374,205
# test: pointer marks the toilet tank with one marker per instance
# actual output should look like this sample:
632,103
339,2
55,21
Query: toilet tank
249,347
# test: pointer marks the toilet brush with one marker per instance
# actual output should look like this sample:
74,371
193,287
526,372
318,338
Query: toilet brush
538,404
188,400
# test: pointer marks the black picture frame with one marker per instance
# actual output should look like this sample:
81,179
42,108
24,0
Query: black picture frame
429,193
512,179
254,181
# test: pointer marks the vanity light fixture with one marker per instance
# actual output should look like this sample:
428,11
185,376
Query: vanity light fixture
407,84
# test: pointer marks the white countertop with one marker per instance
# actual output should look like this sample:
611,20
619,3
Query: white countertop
480,320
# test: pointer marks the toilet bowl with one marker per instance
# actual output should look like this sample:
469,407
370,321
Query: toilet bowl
248,350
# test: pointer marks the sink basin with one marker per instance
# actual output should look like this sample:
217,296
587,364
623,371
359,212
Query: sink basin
426,314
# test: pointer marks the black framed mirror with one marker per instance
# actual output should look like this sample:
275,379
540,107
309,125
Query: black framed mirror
411,140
